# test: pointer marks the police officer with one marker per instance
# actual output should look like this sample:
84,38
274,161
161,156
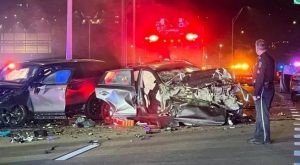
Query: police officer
263,93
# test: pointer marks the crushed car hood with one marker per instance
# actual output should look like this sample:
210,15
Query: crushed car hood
202,77
9,85
7,89
203,97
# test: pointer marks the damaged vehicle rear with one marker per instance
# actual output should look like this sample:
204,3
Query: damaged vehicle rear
172,91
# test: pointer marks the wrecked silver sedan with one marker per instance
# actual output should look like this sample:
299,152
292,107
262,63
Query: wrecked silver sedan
171,91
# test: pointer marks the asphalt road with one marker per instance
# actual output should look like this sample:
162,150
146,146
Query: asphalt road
196,145
205,145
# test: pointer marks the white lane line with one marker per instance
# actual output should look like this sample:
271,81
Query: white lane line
296,123
297,129
297,143
294,115
296,163
294,112
297,118
297,153
293,109
77,152
297,136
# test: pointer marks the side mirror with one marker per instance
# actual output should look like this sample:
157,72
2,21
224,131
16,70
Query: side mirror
36,90
37,84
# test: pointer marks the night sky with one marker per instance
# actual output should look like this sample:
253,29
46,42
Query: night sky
276,21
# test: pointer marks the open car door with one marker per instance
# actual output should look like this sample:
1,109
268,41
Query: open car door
49,96
117,89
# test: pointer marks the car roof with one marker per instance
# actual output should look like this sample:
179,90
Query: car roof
164,65
57,61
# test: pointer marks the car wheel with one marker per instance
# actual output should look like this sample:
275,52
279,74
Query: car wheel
93,109
106,113
15,116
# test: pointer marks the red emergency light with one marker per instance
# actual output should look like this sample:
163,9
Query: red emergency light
191,36
11,66
153,38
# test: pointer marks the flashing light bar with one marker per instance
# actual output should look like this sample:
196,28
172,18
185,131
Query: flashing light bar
240,66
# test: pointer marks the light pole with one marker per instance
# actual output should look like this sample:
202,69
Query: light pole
69,44
220,49
91,21
232,29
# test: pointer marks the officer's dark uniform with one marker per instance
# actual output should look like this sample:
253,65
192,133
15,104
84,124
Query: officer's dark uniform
264,91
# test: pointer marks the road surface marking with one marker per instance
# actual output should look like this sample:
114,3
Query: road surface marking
295,115
297,136
297,153
297,118
296,163
293,109
77,152
296,123
294,112
297,143
297,129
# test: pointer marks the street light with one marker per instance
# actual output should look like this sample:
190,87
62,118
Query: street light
91,21
234,19
220,46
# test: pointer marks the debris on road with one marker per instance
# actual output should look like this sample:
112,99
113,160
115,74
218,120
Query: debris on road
123,122
50,150
51,138
5,133
40,133
78,151
19,138
84,122
142,137
171,129
281,114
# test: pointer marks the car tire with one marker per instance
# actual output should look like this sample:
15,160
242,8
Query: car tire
14,117
93,108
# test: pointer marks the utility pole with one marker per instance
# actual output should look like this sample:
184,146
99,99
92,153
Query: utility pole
69,30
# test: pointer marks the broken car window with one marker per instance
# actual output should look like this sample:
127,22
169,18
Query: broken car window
176,73
17,75
118,77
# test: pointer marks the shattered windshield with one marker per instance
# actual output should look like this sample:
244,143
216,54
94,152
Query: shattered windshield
17,74
170,74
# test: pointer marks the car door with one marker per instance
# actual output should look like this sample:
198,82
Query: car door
148,91
117,88
49,94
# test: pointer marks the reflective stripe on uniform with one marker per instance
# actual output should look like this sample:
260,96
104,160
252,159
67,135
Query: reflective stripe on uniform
262,114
